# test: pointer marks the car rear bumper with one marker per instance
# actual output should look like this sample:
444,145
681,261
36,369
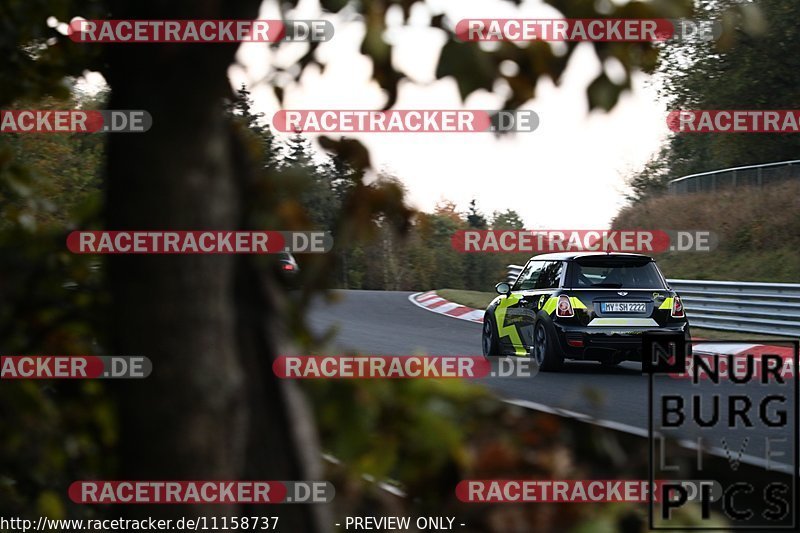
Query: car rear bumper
608,344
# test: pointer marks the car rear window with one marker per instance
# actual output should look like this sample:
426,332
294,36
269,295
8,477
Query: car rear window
614,273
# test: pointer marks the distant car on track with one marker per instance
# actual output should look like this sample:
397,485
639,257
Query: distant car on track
585,306
288,270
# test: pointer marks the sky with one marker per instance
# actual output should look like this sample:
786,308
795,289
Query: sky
568,174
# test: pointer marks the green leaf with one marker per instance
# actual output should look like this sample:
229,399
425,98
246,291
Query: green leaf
472,68
603,93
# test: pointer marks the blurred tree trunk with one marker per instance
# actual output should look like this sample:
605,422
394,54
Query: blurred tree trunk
212,408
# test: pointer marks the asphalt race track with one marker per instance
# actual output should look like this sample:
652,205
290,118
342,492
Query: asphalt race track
386,323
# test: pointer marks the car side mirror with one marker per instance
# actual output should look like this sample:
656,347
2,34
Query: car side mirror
503,288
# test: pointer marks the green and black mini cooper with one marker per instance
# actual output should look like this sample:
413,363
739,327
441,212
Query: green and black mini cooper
587,306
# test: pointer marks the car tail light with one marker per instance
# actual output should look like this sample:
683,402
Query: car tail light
677,307
575,341
564,308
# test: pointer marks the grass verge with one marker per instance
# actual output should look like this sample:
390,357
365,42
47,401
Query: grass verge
474,299
756,231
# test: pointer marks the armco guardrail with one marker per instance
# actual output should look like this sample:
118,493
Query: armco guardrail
772,308
513,272
749,176
752,307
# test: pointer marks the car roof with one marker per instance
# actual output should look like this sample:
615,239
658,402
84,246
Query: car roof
569,256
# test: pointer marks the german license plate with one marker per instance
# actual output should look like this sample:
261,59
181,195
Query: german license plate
623,307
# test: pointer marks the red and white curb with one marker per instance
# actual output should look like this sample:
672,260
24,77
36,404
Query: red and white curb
739,351
433,302
741,348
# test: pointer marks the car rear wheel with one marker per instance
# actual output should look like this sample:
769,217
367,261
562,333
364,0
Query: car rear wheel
489,338
544,350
